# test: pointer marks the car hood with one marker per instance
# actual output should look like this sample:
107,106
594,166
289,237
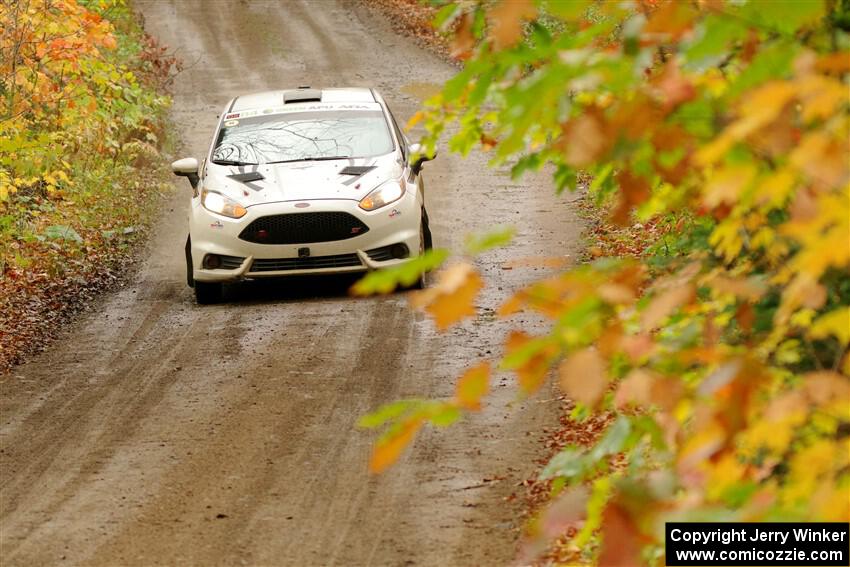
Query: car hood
302,180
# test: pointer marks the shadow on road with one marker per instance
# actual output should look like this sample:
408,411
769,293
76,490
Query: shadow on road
290,288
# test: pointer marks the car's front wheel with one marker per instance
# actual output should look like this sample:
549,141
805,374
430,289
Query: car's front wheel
207,293
425,244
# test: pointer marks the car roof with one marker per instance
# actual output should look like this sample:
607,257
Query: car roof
301,95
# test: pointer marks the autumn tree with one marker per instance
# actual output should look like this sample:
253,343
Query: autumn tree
722,348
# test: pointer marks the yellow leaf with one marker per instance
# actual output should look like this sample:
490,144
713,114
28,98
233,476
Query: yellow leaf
472,386
452,297
701,445
726,185
582,376
833,324
821,96
809,468
761,107
724,474
775,189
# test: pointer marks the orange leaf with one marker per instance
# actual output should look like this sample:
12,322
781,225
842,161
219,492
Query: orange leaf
634,190
745,288
664,304
585,138
621,541
472,386
453,296
671,20
464,39
507,19
389,448
532,373
582,376
414,120
644,388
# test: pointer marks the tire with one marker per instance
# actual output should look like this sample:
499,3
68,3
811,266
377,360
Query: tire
429,243
207,293
425,244
190,272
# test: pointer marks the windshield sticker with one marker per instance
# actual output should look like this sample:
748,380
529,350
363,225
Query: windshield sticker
306,108
231,123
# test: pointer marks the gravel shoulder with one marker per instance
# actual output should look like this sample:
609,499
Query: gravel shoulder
158,432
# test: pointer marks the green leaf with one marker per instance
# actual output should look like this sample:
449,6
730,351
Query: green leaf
773,62
566,9
614,440
569,463
719,34
445,16
61,232
388,412
443,414
388,279
476,244
785,16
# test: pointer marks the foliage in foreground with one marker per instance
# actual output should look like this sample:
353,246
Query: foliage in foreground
724,350
81,121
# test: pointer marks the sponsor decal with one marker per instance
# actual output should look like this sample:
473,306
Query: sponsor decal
235,115
302,205
394,213
231,123
216,224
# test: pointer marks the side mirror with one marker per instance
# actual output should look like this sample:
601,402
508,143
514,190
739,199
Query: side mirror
187,167
417,157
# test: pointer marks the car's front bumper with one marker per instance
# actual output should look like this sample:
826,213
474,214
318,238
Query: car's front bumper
397,223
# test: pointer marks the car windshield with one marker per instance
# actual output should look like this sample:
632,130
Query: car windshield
300,136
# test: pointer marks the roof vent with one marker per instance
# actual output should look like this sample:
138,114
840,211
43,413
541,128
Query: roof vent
302,95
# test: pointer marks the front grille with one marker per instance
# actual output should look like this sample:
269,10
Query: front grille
303,228
231,262
381,254
308,263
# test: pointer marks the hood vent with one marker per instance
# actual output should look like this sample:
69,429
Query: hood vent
247,177
302,95
356,169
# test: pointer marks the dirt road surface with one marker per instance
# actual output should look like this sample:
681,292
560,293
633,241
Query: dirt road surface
158,432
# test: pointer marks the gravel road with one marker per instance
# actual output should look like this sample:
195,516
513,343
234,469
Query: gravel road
158,432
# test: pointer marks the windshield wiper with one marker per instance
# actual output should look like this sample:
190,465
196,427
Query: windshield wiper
232,162
319,158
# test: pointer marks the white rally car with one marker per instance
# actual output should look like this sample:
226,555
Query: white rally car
303,181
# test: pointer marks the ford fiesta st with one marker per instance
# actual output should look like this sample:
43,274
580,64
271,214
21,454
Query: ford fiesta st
303,181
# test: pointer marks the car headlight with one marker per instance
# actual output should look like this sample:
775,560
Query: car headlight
383,195
219,204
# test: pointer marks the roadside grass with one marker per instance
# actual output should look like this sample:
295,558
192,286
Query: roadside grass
82,189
